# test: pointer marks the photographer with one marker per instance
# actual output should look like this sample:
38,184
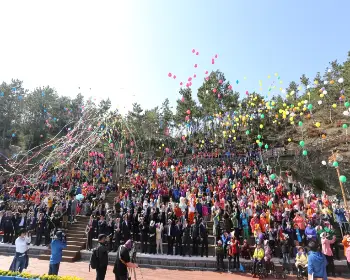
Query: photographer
57,245
122,262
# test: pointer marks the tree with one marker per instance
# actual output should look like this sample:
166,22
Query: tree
293,90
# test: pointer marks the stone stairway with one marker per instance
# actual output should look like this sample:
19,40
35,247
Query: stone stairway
76,241
76,237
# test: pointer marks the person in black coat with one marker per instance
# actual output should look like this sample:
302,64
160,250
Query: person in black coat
102,256
102,226
152,237
203,233
144,235
169,231
40,229
135,227
186,239
117,234
8,226
178,238
126,229
195,237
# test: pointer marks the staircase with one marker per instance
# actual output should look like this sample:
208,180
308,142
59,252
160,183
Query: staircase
76,241
76,237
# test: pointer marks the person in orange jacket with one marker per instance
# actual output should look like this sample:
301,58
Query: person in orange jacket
263,222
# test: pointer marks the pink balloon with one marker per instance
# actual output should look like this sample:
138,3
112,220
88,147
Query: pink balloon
116,153
207,78
111,145
187,85
169,75
195,66
246,92
219,96
194,75
214,90
187,118
183,138
188,112
216,56
229,87
174,77
183,99
197,53
206,72
190,79
181,83
190,84
220,81
212,61
121,155
193,50
131,151
167,150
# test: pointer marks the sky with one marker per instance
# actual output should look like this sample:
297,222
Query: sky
124,50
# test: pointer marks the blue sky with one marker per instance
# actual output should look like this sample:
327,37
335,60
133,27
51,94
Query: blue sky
125,49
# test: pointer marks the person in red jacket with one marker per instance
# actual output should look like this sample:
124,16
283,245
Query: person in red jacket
233,253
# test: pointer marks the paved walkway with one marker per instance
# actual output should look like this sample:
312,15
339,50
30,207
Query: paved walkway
81,269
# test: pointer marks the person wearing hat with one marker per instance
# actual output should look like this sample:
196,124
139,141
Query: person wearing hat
123,262
57,245
102,256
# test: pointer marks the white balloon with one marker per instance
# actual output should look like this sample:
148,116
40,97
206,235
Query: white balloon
305,101
206,91
341,80
292,92
283,91
308,86
346,113
324,92
324,162
325,82
319,102
329,70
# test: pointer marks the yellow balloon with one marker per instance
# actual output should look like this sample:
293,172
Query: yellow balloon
321,95
317,124
257,141
289,139
291,119
203,141
162,145
234,138
291,122
334,105
261,126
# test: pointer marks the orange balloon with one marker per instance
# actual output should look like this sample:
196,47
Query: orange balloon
331,82
323,136
308,116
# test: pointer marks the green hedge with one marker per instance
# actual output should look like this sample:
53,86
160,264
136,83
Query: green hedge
41,277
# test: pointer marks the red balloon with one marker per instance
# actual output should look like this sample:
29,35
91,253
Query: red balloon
214,90
220,81
183,137
188,112
219,96
229,87
187,118
169,75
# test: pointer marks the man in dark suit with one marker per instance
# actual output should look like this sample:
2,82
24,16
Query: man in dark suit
117,234
203,233
126,228
195,237
178,238
40,229
169,231
8,227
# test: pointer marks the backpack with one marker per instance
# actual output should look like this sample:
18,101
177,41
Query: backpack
94,259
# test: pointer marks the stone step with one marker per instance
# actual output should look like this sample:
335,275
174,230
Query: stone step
80,244
64,258
68,253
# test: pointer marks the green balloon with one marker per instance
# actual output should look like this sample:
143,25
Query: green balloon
262,116
259,136
302,143
305,153
335,164
247,132
310,106
269,203
266,146
273,176
300,123
345,126
260,144
347,104
342,178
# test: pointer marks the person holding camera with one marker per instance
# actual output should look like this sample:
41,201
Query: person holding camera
57,245
123,262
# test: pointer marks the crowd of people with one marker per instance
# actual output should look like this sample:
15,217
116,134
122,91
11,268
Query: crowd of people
236,204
